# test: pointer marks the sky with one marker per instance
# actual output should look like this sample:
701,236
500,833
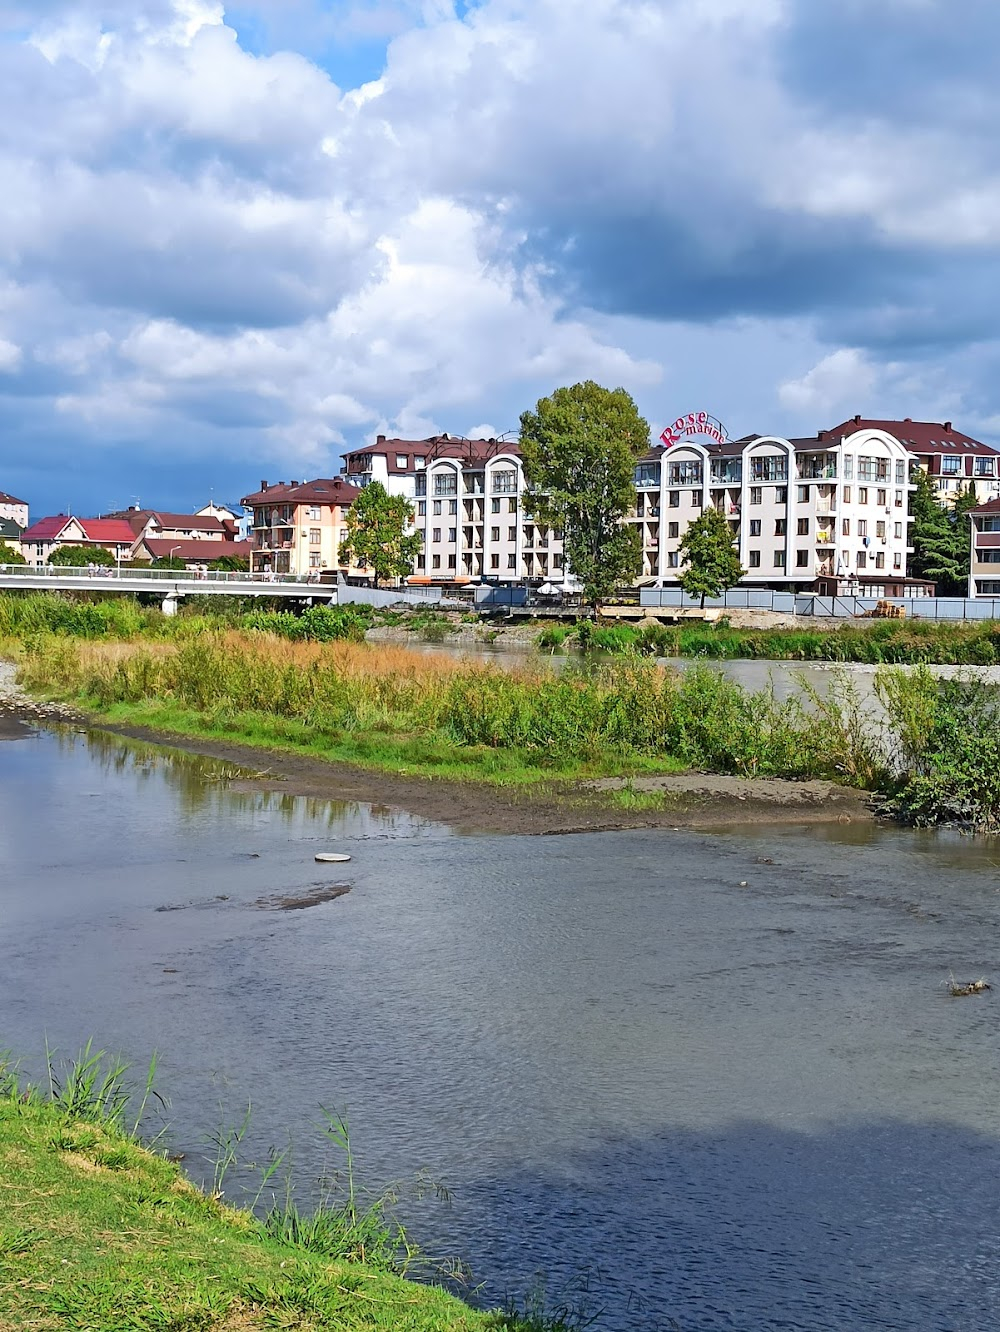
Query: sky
236,240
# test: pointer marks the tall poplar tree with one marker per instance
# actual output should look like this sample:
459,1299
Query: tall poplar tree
579,449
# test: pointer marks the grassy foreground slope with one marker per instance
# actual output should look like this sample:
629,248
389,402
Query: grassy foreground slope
98,1233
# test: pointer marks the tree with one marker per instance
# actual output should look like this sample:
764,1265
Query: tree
940,537
579,448
168,562
8,555
78,557
377,536
231,564
713,565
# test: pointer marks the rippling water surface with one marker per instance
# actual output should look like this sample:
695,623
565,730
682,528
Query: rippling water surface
689,1103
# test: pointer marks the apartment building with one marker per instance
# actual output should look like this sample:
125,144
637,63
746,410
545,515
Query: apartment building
954,461
13,508
297,526
984,563
468,500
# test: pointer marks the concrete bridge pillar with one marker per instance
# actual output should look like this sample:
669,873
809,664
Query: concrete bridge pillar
170,602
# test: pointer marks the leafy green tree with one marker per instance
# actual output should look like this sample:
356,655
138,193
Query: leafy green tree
579,448
231,564
9,555
377,536
712,564
78,557
168,562
940,536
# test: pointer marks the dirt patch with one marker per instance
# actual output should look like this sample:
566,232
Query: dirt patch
693,800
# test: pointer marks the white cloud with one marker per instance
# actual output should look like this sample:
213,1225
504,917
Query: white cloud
11,356
840,379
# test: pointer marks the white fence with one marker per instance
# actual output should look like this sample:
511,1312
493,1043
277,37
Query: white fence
810,604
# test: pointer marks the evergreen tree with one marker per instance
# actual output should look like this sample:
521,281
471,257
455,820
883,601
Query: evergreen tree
940,537
713,565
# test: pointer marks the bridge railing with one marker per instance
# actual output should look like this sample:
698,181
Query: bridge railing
101,573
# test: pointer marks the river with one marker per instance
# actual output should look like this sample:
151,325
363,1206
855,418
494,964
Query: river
698,1081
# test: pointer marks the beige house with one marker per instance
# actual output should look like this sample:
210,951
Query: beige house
14,508
46,536
298,526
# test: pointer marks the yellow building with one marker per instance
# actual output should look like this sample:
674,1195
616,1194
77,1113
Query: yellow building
298,525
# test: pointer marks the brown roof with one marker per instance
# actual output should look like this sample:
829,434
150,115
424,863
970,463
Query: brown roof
324,490
10,499
918,436
138,518
991,506
470,451
197,551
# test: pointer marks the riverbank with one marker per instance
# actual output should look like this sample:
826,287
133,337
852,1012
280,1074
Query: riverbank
476,788
96,1231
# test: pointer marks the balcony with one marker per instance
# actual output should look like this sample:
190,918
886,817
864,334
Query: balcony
825,539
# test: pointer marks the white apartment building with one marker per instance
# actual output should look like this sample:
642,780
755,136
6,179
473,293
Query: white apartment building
468,498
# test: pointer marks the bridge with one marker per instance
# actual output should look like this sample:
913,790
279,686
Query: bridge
167,584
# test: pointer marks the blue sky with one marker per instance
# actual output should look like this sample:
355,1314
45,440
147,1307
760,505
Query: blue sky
238,239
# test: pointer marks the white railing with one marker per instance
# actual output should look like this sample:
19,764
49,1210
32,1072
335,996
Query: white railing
125,571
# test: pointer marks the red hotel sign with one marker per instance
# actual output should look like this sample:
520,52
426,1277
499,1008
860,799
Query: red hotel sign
695,423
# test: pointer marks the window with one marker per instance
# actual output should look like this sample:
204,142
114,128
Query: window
845,527
673,560
862,559
984,466
420,485
873,469
451,561
422,509
673,529
756,493
401,461
774,468
779,559
674,499
494,534
880,559
511,533
988,556
436,536
453,506
951,466
862,527
848,467
495,506
494,561
803,527
315,512
880,498
446,483
504,483
435,561
847,494
781,495
511,561
900,473
803,494
755,559
647,474
684,474
315,559
315,536
437,507
780,526
899,499
755,527
801,559
512,506
880,531
452,533
845,558
897,531
989,525
862,494
897,561
419,463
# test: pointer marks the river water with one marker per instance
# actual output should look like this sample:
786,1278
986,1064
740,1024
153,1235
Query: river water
698,1081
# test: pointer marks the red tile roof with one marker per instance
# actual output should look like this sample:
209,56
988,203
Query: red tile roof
194,522
324,490
101,531
199,552
918,436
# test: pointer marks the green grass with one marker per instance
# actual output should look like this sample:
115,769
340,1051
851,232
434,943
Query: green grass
100,1234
